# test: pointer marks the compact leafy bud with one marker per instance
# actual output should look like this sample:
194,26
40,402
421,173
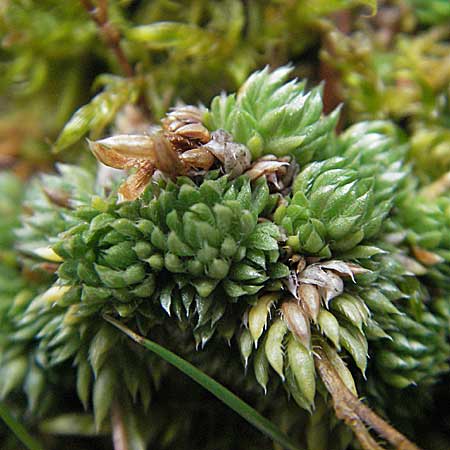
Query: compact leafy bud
407,338
420,225
417,350
341,201
206,237
271,116
19,358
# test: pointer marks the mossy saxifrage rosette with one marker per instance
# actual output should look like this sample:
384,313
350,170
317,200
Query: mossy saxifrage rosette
221,256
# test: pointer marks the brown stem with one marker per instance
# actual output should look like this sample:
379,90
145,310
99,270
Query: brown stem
385,430
355,413
119,431
365,439
109,33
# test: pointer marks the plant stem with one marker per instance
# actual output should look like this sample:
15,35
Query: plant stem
221,392
19,430
109,33
355,413
385,430
362,434
119,431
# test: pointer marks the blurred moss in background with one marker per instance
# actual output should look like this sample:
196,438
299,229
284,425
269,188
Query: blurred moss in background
52,59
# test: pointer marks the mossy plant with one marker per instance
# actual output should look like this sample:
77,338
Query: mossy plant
299,273
301,262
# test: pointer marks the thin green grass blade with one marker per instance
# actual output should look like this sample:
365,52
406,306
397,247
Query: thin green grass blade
221,392
19,430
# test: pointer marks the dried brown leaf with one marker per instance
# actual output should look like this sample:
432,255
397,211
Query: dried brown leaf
310,300
426,257
297,321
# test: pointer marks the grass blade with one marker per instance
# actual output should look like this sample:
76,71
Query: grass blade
221,392
19,430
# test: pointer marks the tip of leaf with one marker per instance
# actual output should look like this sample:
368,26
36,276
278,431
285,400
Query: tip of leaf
124,329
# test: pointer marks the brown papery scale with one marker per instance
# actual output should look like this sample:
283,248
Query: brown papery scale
297,321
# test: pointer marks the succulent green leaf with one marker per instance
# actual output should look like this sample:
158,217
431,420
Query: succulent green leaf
301,364
274,346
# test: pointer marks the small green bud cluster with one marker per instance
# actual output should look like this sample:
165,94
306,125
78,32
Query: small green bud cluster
19,359
420,225
207,237
271,116
409,337
417,351
341,201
